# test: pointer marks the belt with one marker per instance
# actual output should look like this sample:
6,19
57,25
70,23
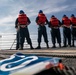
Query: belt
66,26
73,26
55,27
22,26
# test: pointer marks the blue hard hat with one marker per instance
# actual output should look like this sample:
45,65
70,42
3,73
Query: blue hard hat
64,15
40,11
21,12
52,16
72,15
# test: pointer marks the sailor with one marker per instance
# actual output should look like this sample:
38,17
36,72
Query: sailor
73,22
66,23
21,26
41,21
55,24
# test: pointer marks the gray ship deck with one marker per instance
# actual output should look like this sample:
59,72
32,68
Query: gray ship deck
66,52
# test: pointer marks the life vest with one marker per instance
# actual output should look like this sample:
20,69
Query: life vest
66,21
54,22
22,19
42,19
61,66
73,20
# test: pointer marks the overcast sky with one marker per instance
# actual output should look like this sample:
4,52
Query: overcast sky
9,10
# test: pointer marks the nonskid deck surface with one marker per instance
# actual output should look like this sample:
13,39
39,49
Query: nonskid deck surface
67,51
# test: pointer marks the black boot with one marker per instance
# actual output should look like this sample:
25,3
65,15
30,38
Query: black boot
21,47
17,46
47,45
69,46
64,46
53,46
31,47
73,45
38,47
60,45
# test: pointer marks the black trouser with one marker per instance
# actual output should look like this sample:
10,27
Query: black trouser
42,31
73,35
66,36
55,34
21,35
17,38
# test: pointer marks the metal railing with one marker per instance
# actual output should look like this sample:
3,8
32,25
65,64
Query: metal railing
8,41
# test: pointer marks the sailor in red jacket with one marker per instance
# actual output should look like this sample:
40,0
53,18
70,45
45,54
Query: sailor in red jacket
21,25
66,23
41,21
54,24
73,21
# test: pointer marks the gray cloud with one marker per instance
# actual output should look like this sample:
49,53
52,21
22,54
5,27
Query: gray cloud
10,8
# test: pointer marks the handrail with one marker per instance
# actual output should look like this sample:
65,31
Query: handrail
8,41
